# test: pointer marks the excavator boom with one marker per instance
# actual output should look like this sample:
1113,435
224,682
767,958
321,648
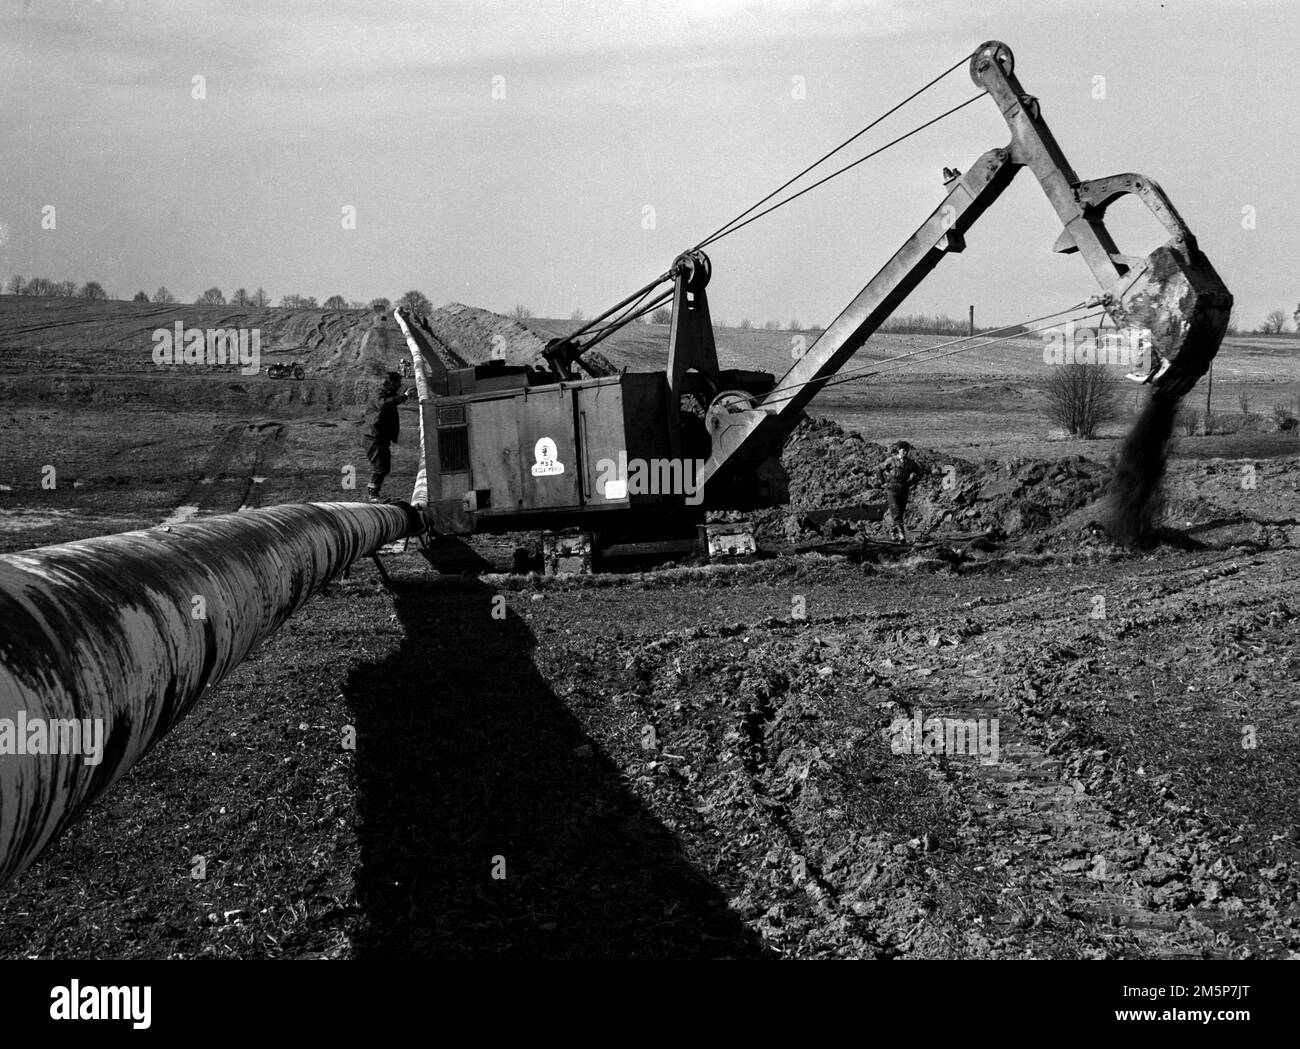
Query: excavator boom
1173,294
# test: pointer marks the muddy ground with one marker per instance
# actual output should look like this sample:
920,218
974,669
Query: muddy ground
699,763
707,761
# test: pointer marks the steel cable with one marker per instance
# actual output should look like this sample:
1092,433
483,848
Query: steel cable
723,230
878,367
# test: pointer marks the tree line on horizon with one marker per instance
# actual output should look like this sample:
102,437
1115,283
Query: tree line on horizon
60,289
42,287
1275,323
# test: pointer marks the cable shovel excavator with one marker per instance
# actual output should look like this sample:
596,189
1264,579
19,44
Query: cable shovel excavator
517,448
121,635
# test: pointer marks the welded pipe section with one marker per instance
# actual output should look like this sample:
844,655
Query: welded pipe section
106,643
420,490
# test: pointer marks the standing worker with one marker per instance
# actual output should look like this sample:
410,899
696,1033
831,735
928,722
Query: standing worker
899,473
380,429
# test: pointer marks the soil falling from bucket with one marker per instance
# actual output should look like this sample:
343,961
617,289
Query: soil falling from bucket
1136,502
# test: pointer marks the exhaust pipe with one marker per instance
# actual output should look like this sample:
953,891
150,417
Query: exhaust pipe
106,643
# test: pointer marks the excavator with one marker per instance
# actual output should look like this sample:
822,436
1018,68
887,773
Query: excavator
130,631
517,448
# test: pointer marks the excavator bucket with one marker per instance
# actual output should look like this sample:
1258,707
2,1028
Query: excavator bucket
1173,295
1179,300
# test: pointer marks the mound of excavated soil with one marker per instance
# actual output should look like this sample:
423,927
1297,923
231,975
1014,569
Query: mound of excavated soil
476,336
830,467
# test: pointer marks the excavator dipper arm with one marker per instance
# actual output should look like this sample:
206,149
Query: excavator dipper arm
1174,293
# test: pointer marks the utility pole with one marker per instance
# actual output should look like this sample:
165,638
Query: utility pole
972,319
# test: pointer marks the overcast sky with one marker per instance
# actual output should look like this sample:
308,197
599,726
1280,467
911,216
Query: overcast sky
684,106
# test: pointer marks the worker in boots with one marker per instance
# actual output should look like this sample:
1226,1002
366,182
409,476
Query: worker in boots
899,473
380,429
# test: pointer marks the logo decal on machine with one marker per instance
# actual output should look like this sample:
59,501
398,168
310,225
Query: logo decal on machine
545,454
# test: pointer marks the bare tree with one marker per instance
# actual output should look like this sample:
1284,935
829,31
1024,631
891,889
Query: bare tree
771,326
1274,323
577,316
661,316
163,295
67,289
140,296
40,286
1186,420
211,297
794,325
1081,398
336,302
92,289
520,312
259,298
241,298
416,302
380,304
15,285
746,324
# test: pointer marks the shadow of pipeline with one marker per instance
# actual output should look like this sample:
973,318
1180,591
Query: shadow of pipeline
468,765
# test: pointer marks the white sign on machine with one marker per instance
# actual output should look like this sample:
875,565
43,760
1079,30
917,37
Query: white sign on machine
546,459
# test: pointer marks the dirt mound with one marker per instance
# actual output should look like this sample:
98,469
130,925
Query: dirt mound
476,336
831,467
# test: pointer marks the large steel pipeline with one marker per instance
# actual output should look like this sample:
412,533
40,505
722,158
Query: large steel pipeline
420,490
106,643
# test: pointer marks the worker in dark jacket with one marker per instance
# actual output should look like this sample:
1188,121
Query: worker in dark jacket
899,473
380,429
